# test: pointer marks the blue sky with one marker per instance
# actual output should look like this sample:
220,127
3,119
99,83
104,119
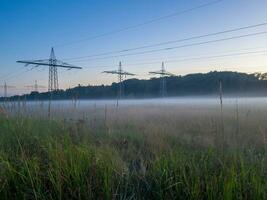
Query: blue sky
30,28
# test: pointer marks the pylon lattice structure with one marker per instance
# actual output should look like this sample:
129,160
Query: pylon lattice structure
6,87
163,74
53,64
35,87
53,76
121,74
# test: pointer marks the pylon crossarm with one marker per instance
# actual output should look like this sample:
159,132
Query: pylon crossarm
48,64
110,72
158,73
119,72
59,62
127,73
162,73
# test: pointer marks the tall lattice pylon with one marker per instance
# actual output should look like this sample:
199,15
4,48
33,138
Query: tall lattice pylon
163,74
121,73
53,64
53,77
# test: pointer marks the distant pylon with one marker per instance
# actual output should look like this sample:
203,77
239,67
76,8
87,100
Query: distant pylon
6,87
120,74
53,64
120,79
163,73
35,87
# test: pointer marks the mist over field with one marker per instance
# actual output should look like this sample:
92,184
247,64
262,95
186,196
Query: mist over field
191,104
151,148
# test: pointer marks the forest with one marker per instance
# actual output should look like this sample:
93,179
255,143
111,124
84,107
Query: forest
198,84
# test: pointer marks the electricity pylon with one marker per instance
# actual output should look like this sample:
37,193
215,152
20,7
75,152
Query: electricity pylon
35,87
121,73
53,64
6,87
163,74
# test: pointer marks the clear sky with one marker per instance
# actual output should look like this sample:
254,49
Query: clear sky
30,28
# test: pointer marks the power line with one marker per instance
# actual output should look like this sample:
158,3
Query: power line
11,73
164,58
173,41
183,46
206,57
208,54
238,53
141,24
18,74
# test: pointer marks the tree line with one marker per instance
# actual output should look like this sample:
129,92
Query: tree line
234,83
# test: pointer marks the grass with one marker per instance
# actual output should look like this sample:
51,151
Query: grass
152,153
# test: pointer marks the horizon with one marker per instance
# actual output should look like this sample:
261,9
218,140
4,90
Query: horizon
87,34
149,78
232,82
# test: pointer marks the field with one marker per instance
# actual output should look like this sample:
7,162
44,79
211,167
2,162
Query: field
184,150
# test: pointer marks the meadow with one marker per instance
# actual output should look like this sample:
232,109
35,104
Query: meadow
152,150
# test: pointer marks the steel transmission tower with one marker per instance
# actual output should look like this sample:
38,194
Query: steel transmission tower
121,73
6,87
163,74
53,64
53,77
35,87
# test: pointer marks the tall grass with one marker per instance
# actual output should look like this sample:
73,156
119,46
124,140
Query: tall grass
152,153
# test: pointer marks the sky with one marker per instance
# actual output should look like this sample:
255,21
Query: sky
30,28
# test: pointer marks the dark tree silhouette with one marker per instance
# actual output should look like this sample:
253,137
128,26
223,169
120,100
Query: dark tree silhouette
234,83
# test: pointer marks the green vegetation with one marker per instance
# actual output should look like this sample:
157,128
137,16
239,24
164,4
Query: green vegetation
156,154
192,84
